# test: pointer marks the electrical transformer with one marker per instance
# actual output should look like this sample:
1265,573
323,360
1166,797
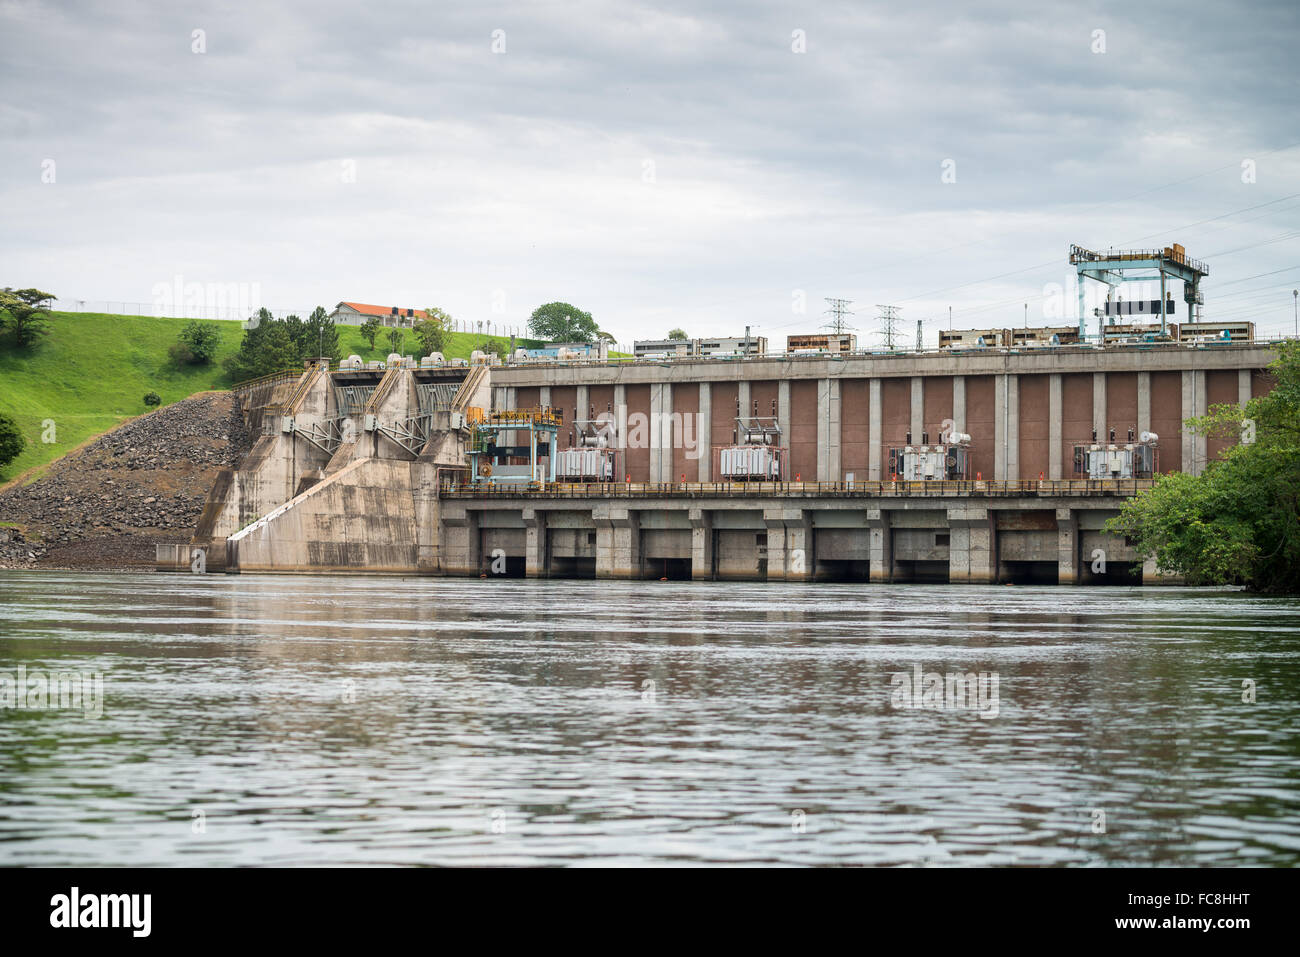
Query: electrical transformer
945,461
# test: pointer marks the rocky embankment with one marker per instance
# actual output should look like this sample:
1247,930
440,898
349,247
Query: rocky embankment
108,503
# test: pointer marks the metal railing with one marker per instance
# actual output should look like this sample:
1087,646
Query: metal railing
1050,488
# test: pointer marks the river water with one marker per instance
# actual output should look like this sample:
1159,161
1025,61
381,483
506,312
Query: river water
331,720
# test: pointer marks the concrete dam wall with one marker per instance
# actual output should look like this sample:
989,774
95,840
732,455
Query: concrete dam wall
371,471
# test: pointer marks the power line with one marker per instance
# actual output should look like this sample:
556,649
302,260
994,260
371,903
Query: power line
837,311
888,324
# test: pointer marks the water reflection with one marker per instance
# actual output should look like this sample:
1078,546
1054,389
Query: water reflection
369,720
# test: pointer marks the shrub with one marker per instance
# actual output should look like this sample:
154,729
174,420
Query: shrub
11,440
152,398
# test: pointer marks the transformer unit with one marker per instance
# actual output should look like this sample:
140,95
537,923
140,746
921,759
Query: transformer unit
1131,460
592,457
945,461
757,455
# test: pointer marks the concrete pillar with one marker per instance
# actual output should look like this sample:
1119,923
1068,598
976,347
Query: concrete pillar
783,410
1006,428
535,558
583,402
789,544
880,545
828,430
620,416
499,397
1144,402
704,434
544,396
661,432
618,542
972,546
774,520
959,403
701,544
874,431
1201,441
1099,406
458,539
742,397
1067,541
1243,387
917,423
1194,446
1055,426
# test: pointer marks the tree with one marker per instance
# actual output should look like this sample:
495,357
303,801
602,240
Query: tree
266,348
25,313
561,322
321,336
370,329
1238,522
395,339
11,440
297,330
676,333
197,343
432,331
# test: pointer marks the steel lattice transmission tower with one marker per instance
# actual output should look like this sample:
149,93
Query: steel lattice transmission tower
888,323
839,309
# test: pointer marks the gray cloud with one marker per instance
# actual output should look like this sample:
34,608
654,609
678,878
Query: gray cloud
526,172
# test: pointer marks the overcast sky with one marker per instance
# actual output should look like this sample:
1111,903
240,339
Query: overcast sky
661,164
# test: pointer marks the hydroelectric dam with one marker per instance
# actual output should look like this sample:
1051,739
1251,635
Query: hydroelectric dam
978,465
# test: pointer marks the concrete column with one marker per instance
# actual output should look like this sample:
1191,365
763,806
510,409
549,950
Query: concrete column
1144,402
1194,403
774,519
499,397
1243,387
620,416
917,423
972,546
583,401
1067,541
1201,443
959,403
544,396
618,542
783,410
704,434
661,432
1006,427
701,544
828,430
1055,426
874,430
1099,406
880,545
511,399
789,544
742,395
535,558
458,539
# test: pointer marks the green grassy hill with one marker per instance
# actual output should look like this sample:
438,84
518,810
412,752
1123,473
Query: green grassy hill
92,371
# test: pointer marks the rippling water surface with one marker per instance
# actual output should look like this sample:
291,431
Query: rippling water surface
287,720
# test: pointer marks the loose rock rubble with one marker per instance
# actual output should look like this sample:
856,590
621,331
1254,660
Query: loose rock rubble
108,503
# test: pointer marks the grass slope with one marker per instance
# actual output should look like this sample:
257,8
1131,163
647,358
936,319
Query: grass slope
92,371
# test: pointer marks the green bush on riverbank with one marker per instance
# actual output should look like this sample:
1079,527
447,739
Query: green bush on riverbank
1238,523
